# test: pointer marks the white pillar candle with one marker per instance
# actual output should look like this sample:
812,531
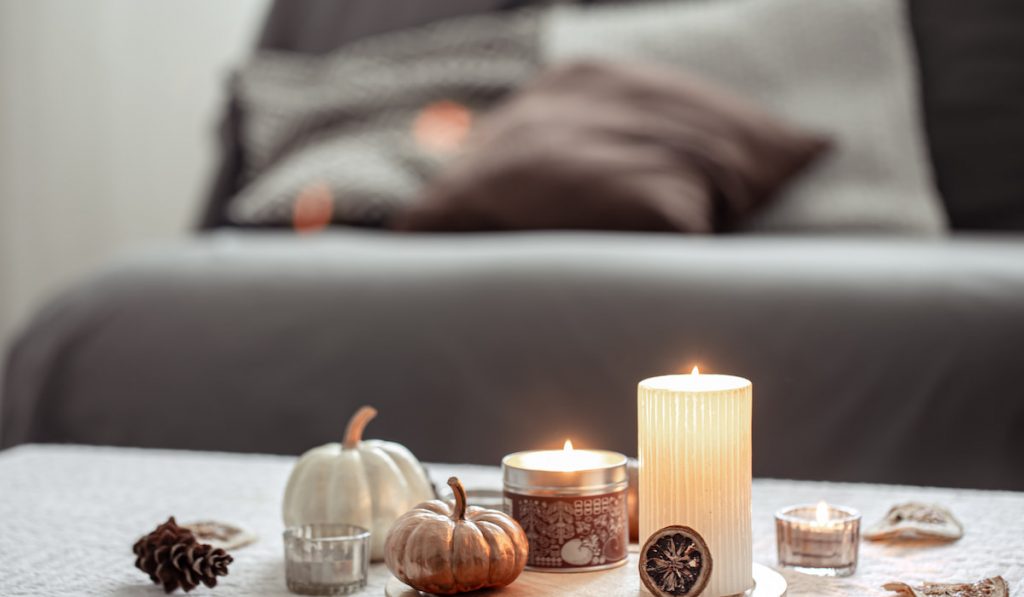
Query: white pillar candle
695,468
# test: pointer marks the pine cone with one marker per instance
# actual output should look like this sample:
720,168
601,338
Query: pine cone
172,557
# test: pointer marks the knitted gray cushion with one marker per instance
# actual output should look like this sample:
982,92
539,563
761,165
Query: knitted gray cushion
357,131
841,68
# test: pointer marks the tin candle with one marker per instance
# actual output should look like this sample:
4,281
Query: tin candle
572,506
822,540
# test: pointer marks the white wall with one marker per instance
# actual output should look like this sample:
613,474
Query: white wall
107,113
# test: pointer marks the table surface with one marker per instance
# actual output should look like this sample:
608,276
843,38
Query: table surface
70,514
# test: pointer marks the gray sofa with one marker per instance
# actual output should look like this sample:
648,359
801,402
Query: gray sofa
873,358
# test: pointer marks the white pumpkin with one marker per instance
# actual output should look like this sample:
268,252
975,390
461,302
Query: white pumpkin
366,483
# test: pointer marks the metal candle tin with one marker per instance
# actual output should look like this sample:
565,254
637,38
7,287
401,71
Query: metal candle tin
575,520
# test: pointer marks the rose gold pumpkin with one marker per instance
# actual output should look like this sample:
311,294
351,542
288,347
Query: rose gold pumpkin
447,548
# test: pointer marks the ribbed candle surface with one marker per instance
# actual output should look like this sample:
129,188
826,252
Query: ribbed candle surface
695,468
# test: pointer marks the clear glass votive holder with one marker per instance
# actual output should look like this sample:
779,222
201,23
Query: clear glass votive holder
326,559
821,540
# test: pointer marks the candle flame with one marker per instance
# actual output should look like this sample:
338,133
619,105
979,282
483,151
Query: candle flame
568,445
821,514
695,371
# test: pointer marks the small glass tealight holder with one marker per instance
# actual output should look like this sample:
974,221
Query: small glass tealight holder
822,540
326,559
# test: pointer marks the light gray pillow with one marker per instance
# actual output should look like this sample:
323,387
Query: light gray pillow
844,68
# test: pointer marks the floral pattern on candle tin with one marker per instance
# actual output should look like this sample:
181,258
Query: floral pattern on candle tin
573,532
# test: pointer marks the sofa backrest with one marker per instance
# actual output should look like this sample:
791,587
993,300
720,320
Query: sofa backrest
971,57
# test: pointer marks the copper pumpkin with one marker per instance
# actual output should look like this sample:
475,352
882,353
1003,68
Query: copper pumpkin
447,548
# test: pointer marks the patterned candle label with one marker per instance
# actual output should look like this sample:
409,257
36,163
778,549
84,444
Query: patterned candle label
572,532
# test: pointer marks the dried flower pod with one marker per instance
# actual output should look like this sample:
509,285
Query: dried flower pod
990,587
675,561
916,521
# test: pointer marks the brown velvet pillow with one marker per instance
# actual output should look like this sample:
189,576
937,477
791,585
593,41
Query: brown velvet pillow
596,145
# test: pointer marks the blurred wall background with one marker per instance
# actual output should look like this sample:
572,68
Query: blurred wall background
107,117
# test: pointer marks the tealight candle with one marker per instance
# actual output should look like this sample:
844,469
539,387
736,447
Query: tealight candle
326,559
822,540
572,506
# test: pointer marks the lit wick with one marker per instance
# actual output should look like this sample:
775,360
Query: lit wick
822,514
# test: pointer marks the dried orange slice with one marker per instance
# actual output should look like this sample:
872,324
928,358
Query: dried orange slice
990,587
675,562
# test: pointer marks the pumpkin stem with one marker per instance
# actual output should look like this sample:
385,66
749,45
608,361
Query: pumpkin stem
356,425
459,511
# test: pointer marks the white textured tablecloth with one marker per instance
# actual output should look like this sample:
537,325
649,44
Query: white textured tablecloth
70,514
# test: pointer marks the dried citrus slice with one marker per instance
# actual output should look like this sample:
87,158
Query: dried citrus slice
990,587
674,562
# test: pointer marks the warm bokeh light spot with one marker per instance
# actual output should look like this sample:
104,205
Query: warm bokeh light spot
695,371
313,208
442,126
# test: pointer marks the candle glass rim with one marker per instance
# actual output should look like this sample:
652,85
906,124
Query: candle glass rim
351,533
848,514
738,383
